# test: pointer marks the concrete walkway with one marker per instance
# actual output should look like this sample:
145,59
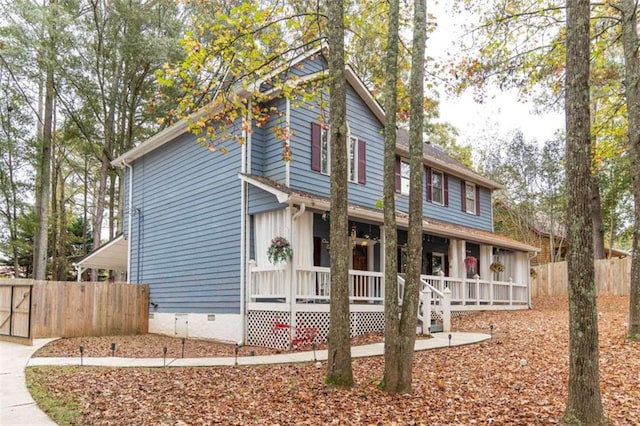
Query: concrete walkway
439,340
18,408
16,405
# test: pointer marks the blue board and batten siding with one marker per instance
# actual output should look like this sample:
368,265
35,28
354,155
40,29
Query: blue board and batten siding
186,226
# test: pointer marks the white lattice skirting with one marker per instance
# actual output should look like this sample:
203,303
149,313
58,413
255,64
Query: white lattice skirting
262,330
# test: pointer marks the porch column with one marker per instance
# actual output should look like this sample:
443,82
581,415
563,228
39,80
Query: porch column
457,252
382,262
288,275
486,257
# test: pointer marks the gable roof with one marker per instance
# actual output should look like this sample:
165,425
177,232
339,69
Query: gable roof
285,194
432,155
435,157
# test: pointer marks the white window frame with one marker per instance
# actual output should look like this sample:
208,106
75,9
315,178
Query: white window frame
325,152
405,181
440,190
352,157
352,154
470,202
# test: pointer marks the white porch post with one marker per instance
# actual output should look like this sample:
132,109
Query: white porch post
290,270
486,257
382,262
446,310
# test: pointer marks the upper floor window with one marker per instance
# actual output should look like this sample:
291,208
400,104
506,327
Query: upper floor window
471,198
321,154
404,177
437,187
352,152
325,152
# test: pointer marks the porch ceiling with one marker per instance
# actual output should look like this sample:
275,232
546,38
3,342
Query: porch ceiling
112,255
432,226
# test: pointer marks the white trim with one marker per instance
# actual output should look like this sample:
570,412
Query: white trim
287,164
130,167
281,196
112,261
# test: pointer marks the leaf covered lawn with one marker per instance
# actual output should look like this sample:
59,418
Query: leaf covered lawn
517,378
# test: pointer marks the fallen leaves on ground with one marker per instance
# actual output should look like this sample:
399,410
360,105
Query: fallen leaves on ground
152,346
517,378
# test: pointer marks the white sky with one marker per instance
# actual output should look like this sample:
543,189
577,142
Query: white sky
501,112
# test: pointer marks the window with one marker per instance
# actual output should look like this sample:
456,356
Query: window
352,148
325,152
437,263
404,177
321,154
470,198
437,187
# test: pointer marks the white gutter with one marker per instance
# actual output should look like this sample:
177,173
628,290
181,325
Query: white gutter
287,164
127,165
299,213
243,230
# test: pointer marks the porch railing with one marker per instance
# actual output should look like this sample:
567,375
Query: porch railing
313,283
474,291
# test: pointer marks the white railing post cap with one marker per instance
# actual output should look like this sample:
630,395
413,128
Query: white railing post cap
447,290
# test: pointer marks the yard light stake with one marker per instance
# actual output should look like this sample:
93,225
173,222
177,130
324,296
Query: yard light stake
183,340
236,348
113,348
449,339
81,352
164,360
313,346
491,328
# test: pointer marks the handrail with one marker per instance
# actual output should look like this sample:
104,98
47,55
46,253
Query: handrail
430,287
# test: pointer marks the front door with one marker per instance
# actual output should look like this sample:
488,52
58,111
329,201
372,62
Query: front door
360,259
360,262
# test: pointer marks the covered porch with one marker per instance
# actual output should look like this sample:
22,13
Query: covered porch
458,275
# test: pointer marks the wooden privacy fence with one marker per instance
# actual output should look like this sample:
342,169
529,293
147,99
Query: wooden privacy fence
76,309
613,278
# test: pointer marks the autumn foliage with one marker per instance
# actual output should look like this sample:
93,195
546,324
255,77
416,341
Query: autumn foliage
519,377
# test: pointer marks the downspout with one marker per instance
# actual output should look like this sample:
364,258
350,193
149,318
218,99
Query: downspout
125,164
294,236
243,230
287,164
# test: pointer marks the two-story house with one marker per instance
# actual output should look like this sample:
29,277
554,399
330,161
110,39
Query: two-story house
198,225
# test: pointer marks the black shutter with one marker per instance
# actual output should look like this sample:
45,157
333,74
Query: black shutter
362,161
445,185
429,185
316,136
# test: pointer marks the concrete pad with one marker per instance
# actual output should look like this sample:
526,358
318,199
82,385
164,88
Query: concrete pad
16,405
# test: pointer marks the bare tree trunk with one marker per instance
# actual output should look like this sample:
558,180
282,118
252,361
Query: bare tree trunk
339,370
43,177
584,402
391,308
598,224
409,312
632,81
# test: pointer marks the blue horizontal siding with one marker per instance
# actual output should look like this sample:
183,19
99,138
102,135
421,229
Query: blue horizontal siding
262,201
453,213
186,226
363,125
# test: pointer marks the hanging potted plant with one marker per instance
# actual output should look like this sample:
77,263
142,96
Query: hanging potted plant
471,264
497,266
279,250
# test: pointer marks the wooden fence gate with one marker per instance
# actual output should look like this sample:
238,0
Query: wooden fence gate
15,312
38,309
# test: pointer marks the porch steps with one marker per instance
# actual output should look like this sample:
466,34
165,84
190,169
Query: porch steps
435,328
